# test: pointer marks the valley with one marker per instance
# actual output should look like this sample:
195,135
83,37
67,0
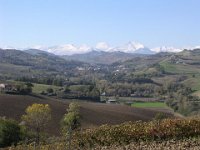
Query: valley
166,77
114,90
99,75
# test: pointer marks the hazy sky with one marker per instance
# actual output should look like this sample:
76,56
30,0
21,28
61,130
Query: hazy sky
25,23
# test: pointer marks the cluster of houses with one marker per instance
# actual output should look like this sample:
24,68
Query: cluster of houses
176,60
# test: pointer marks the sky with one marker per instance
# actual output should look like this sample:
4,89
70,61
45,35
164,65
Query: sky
27,23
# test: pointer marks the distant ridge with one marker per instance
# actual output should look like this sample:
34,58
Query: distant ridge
102,57
37,52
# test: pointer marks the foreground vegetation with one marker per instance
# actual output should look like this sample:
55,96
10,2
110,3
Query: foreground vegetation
157,134
186,144
138,133
31,133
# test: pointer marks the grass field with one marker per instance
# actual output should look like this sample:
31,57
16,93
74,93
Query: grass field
149,104
179,68
132,99
193,83
38,88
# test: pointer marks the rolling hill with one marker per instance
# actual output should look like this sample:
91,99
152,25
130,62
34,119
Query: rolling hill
17,63
93,114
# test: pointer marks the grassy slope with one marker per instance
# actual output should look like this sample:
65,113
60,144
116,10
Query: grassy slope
185,69
10,69
194,83
179,68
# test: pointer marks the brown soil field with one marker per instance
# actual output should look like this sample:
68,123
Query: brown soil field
93,114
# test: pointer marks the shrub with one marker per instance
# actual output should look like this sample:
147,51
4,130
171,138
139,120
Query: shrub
49,90
166,131
139,131
160,116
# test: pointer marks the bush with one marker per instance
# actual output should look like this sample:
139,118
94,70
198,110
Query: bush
166,131
49,90
10,132
126,133
160,116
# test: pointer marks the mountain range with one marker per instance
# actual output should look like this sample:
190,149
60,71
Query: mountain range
71,49
129,47
102,53
37,63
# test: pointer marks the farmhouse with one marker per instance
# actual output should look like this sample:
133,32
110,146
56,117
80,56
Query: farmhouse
5,87
2,86
111,101
103,94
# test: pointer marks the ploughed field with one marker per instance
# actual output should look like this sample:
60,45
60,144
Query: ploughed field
93,114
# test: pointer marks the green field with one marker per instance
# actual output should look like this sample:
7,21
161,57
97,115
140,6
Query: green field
129,99
193,83
149,104
38,88
179,68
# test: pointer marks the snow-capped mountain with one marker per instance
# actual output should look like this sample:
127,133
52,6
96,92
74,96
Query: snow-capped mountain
134,47
70,49
166,49
130,47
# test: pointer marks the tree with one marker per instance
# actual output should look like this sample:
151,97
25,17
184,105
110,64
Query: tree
36,118
71,121
29,84
24,88
10,132
102,85
160,116
49,90
67,89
